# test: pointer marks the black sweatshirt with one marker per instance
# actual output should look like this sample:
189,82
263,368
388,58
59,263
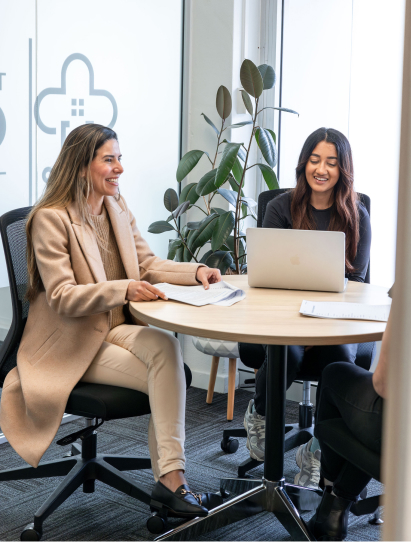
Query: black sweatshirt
278,215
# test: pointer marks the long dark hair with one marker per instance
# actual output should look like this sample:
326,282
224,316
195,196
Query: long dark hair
66,183
345,216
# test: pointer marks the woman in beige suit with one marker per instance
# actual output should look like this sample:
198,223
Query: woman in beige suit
86,260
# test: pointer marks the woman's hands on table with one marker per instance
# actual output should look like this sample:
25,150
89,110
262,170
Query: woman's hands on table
141,290
207,276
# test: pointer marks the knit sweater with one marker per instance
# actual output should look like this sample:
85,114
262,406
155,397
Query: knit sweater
110,255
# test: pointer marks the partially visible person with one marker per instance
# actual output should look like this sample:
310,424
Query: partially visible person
356,396
323,199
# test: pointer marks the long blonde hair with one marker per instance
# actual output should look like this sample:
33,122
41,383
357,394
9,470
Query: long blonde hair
69,180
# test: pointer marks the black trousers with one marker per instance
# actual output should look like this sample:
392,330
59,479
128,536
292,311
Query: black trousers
347,392
301,362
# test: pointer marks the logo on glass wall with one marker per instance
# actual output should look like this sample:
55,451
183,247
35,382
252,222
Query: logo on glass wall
2,126
75,102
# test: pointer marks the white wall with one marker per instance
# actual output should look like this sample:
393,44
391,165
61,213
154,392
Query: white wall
342,68
219,36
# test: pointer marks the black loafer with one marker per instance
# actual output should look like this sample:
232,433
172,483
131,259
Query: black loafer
211,500
182,503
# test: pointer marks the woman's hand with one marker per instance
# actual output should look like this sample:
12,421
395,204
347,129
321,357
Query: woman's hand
141,290
207,276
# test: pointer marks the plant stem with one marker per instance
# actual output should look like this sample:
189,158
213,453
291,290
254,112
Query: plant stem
215,160
202,210
238,206
184,243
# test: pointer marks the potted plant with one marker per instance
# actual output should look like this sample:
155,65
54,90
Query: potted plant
221,228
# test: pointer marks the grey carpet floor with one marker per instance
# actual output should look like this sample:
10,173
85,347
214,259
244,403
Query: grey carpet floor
110,515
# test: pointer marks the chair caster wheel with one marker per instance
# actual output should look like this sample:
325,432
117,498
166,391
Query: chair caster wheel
229,445
376,521
30,533
224,493
156,524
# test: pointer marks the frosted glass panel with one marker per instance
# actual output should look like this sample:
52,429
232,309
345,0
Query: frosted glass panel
117,64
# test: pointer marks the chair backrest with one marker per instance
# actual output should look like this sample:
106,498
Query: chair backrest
13,235
265,197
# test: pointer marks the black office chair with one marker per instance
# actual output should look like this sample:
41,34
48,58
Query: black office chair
92,401
253,355
339,438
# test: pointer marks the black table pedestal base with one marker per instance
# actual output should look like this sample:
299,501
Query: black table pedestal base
254,496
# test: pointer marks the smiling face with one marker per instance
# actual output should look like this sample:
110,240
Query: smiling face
322,171
106,169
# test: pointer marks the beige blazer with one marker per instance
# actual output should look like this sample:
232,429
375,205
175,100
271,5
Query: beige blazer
69,320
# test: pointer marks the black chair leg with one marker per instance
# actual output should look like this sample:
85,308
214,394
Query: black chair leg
59,467
112,477
70,483
122,462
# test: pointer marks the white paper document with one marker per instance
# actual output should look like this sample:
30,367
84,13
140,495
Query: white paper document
355,311
221,293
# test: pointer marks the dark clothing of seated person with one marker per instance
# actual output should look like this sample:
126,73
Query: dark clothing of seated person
323,199
356,396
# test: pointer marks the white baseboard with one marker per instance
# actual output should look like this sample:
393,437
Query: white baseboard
201,379
66,418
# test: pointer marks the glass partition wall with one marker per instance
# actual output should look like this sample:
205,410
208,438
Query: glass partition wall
66,63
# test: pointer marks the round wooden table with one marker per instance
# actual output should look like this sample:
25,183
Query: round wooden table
271,317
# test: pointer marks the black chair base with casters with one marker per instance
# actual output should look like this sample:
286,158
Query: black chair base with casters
83,465
339,438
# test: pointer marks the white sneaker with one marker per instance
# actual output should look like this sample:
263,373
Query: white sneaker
309,463
254,424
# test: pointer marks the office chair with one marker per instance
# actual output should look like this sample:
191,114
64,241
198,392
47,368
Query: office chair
253,355
339,438
92,401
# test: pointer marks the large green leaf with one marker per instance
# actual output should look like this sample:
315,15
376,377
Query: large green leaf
237,170
240,124
268,75
251,78
187,163
205,256
223,102
224,227
241,151
173,246
170,200
230,244
198,238
249,202
189,193
220,260
179,254
206,184
285,109
211,123
267,146
227,162
159,227
247,101
229,195
269,176
257,135
218,210
181,209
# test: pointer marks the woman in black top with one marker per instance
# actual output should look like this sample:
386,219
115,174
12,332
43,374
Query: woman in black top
323,199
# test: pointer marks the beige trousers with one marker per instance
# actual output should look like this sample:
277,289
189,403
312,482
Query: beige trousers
148,360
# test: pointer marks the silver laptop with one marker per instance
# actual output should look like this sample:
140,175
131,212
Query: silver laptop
296,259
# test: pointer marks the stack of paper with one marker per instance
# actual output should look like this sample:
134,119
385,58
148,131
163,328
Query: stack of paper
221,293
351,311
